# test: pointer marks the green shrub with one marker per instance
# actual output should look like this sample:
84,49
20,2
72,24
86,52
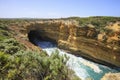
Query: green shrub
28,65
3,26
4,59
10,46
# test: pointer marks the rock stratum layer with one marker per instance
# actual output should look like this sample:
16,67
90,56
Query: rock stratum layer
80,41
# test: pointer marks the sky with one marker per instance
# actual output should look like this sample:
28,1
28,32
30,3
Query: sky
58,8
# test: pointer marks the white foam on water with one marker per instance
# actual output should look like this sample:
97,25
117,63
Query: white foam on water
75,59
49,50
92,65
74,63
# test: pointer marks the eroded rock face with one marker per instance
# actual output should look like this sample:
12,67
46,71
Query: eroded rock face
111,76
81,41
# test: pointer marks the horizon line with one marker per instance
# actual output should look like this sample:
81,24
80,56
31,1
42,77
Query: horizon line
52,17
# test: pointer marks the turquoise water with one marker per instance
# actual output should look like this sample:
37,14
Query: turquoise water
83,68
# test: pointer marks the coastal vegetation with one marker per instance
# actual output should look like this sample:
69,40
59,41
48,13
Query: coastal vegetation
18,62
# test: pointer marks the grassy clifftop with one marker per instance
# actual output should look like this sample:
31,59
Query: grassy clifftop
98,21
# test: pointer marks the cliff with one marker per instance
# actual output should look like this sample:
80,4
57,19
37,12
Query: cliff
78,40
86,41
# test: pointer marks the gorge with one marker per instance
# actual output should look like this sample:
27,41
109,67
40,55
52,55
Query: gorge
80,41
83,68
89,55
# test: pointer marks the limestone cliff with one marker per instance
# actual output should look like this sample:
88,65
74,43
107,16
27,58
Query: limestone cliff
81,41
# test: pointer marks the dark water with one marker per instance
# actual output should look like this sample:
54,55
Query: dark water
83,68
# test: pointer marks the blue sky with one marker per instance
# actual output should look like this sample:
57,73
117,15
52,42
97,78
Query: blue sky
58,8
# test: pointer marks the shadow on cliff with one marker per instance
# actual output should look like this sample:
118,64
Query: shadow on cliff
36,38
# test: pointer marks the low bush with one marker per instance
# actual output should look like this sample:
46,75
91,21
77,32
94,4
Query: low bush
10,46
28,65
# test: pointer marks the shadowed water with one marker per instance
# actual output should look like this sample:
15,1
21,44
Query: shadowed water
82,67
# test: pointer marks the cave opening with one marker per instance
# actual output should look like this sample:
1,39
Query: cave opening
35,35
